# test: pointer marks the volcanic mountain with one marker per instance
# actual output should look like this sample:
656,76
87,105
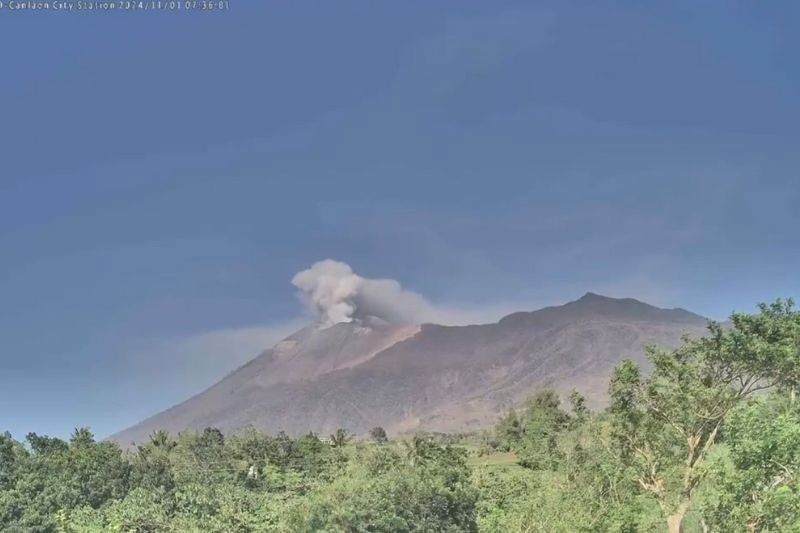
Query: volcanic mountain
366,373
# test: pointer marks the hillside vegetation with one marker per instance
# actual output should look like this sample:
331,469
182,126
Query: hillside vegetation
708,440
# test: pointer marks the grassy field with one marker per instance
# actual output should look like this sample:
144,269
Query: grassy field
496,459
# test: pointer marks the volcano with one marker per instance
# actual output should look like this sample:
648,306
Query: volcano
406,378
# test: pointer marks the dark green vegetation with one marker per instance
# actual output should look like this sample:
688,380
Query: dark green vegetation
707,439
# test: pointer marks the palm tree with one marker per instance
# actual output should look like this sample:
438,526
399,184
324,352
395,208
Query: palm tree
155,460
416,448
160,442
81,437
340,438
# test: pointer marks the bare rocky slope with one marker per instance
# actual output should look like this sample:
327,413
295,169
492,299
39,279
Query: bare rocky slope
437,378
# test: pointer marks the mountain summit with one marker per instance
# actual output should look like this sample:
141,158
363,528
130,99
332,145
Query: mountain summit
367,372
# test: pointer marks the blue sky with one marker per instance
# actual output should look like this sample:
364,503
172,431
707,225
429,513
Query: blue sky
163,176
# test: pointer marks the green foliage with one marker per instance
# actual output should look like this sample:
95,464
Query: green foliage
666,424
378,435
427,490
509,431
340,438
535,438
758,479
689,446
577,403
57,475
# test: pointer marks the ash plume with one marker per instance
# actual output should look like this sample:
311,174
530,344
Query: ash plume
335,294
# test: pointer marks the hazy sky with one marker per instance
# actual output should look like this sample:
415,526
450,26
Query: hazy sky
163,176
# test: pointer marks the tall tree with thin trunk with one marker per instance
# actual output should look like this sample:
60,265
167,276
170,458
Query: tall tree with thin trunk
666,423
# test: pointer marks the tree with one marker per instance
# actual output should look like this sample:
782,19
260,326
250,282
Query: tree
378,435
96,472
160,442
757,481
509,431
312,456
767,344
382,493
197,457
212,437
340,438
577,403
666,424
81,437
11,456
544,420
45,445
153,468
417,448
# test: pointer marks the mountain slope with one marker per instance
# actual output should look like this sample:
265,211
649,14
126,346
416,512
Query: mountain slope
361,374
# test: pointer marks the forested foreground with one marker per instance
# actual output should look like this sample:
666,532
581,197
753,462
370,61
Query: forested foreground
707,439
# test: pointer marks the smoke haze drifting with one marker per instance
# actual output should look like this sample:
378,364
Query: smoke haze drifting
334,293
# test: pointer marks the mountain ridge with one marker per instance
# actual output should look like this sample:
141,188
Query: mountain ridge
426,377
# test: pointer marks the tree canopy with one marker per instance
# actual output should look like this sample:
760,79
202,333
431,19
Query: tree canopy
705,438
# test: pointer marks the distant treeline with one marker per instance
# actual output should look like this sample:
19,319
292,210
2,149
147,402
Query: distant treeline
709,440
